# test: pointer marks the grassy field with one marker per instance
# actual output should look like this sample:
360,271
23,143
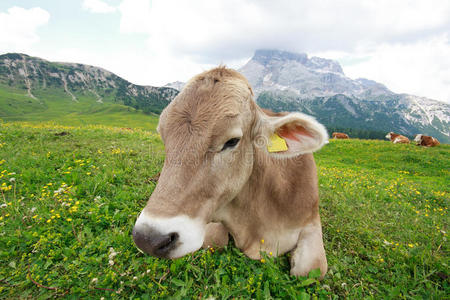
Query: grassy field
69,202
57,106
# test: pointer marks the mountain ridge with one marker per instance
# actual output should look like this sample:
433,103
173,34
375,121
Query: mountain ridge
39,76
281,81
287,81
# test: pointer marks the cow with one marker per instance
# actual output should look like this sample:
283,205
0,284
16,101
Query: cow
425,140
339,135
231,168
397,138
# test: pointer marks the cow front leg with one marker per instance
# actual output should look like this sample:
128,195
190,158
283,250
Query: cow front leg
216,236
309,253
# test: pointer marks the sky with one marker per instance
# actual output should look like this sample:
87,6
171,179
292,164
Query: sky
404,44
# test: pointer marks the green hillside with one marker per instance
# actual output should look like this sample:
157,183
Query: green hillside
56,106
69,203
33,89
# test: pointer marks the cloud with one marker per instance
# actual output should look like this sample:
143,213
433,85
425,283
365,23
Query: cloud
18,27
98,6
227,29
136,16
421,68
399,43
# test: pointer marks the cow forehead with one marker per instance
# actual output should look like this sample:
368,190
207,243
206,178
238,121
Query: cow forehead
207,107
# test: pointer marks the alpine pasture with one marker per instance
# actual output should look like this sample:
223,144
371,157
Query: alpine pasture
69,202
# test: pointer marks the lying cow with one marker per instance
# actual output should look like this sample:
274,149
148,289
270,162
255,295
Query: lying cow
425,140
397,138
339,135
232,168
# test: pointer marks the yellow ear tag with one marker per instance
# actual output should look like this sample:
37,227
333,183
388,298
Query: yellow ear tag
276,144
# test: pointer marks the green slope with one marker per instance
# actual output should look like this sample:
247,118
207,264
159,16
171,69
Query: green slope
33,89
57,106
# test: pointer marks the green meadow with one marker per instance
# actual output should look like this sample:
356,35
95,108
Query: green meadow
57,106
71,192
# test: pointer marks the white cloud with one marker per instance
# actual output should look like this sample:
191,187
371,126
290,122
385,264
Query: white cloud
399,43
136,16
403,44
212,29
18,27
98,6
421,68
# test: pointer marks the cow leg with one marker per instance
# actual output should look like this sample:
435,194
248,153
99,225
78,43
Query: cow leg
216,236
309,253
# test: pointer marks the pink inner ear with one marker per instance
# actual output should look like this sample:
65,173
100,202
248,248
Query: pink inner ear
293,132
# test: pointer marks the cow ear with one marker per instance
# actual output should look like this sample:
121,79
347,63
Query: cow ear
293,134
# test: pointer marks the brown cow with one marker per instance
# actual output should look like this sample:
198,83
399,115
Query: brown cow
397,138
425,140
231,168
339,135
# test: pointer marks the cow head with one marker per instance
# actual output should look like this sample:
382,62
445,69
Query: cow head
211,132
418,138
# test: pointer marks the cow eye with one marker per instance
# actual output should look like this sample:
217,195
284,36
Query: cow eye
230,143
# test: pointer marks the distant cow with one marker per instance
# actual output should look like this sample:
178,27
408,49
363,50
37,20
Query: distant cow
340,135
397,138
425,140
231,167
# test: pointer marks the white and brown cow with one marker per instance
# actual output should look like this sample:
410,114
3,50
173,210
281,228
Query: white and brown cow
425,140
340,135
397,138
232,168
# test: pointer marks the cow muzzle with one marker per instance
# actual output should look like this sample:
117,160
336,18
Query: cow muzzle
171,237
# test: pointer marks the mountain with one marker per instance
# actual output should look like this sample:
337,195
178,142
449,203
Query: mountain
285,81
306,78
282,81
33,85
178,85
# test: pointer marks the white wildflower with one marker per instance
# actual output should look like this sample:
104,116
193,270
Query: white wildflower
112,253
59,191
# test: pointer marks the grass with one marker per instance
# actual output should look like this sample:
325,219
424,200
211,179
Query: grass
68,204
58,107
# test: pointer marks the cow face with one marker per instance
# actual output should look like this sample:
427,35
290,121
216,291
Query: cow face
211,132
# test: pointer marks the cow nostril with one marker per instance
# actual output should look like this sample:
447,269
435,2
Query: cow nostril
173,237
168,242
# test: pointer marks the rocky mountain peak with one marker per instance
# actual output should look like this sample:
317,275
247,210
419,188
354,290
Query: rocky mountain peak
283,80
